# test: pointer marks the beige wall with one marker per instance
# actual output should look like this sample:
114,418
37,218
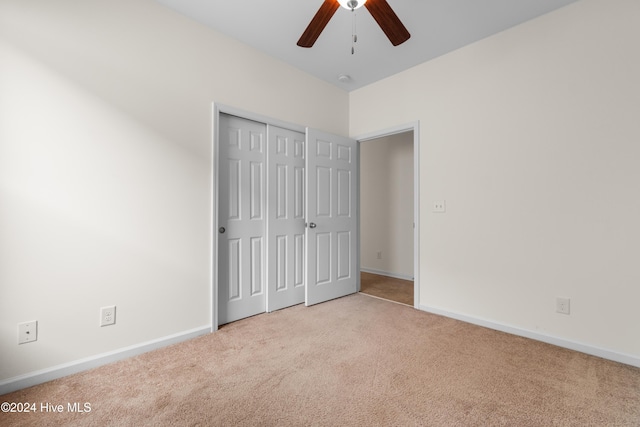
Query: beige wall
105,168
386,205
532,138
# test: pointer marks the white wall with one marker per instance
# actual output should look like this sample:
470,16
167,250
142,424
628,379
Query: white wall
105,168
532,137
386,205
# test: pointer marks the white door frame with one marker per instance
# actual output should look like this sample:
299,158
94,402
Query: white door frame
217,109
415,127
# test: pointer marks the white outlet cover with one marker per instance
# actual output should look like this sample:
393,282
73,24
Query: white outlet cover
27,332
108,315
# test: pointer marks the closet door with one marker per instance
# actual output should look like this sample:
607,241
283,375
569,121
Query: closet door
332,233
286,218
241,218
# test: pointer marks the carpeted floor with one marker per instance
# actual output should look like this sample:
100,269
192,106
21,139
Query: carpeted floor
354,361
386,287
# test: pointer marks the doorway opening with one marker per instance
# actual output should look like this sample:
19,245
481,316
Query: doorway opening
389,229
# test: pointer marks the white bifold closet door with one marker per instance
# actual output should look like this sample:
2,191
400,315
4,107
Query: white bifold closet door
286,218
332,200
242,215
271,183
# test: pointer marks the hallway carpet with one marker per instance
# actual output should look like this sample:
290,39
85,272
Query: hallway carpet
386,287
353,361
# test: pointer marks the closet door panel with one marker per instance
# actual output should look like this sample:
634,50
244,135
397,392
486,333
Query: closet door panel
286,218
241,218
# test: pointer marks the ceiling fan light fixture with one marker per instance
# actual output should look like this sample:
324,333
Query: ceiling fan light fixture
352,4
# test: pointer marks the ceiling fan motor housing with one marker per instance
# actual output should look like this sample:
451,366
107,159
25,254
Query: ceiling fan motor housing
352,4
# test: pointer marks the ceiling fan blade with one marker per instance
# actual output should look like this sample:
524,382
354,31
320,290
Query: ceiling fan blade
388,21
317,24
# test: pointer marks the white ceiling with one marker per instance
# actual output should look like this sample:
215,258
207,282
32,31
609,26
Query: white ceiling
436,27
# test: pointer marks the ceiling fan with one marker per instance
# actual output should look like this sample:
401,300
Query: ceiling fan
379,9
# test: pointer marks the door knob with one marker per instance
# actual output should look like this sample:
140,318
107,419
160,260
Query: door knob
312,225
222,230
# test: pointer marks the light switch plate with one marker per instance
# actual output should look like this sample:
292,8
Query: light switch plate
439,206
563,305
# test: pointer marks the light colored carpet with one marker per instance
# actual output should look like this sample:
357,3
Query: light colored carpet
390,288
354,361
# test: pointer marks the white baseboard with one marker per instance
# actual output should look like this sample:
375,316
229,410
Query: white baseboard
49,374
386,273
549,339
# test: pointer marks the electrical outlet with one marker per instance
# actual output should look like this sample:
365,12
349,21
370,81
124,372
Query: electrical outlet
439,206
563,305
379,255
27,332
108,315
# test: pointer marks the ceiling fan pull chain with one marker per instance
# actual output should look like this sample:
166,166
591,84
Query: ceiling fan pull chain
354,36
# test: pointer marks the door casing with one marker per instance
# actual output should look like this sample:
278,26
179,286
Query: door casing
415,128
